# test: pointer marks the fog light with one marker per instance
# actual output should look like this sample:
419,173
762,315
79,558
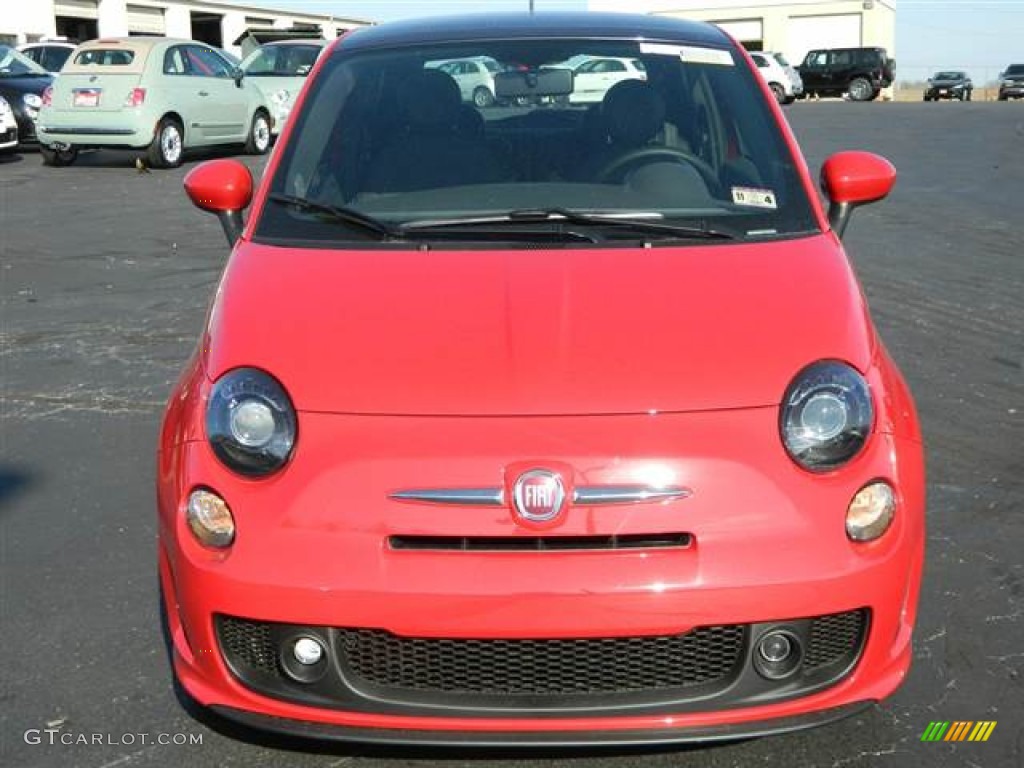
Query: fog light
775,647
210,519
778,654
870,512
307,651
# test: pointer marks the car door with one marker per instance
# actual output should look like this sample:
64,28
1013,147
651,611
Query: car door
221,109
814,71
841,67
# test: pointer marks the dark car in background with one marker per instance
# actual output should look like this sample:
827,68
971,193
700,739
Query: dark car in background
949,85
860,72
50,55
22,83
1011,82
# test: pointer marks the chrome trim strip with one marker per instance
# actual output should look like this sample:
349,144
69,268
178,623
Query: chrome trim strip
586,495
461,497
593,495
77,130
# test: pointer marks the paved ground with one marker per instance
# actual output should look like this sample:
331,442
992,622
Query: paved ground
104,279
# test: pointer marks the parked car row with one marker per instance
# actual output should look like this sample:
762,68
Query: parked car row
22,84
161,96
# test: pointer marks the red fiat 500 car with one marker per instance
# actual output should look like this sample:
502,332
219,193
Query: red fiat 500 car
546,423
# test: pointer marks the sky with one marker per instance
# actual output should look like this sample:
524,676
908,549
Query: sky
981,36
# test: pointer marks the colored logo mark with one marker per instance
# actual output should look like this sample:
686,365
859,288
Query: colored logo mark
960,730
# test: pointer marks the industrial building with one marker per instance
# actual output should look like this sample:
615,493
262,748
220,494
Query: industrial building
215,23
791,27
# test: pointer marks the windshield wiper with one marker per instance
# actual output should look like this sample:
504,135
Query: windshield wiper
625,221
338,213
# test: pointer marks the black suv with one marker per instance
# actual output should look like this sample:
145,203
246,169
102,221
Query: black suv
1011,83
860,72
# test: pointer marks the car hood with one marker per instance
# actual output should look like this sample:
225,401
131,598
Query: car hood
537,332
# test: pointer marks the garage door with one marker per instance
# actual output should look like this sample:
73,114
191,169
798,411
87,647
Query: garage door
145,20
807,32
77,9
745,30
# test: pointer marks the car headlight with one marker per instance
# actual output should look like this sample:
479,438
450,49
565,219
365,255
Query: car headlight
1007,82
32,100
250,422
826,415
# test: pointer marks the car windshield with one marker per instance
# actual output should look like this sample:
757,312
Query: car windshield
948,76
683,141
1015,69
14,63
281,61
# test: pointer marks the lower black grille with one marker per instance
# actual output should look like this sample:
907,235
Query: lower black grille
705,669
834,639
248,644
543,667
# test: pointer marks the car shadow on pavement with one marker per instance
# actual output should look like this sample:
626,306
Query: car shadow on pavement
13,481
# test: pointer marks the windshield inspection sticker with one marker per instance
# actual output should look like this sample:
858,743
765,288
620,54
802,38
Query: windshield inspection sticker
755,198
690,54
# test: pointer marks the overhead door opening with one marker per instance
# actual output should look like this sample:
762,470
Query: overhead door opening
805,33
206,28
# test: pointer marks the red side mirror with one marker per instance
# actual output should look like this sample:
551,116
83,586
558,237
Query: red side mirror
854,178
223,187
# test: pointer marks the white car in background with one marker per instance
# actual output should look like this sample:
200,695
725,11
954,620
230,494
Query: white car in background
475,78
593,77
8,128
782,78
279,70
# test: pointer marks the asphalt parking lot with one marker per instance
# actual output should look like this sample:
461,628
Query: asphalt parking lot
105,274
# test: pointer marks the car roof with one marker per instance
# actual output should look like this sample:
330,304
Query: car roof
498,26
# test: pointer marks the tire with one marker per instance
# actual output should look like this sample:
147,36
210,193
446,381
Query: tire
927,97
258,140
58,158
861,90
1002,97
482,96
779,92
967,96
168,145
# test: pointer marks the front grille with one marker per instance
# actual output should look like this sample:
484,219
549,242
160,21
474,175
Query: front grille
542,667
834,639
706,669
248,644
540,543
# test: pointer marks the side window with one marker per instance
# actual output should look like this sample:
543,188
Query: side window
54,58
205,63
816,59
841,59
36,54
174,61
759,60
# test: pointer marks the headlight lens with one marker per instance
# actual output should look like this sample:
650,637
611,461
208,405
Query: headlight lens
250,422
32,100
826,415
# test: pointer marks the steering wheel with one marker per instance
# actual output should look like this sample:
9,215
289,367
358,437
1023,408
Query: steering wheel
646,155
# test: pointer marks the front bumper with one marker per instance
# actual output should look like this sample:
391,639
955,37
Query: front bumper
767,547
1012,91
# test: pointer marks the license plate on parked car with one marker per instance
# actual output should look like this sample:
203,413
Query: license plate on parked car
87,98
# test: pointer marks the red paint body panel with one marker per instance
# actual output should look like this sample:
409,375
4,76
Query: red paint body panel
462,368
538,332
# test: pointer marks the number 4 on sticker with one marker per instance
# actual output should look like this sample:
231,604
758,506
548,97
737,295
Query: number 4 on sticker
753,197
